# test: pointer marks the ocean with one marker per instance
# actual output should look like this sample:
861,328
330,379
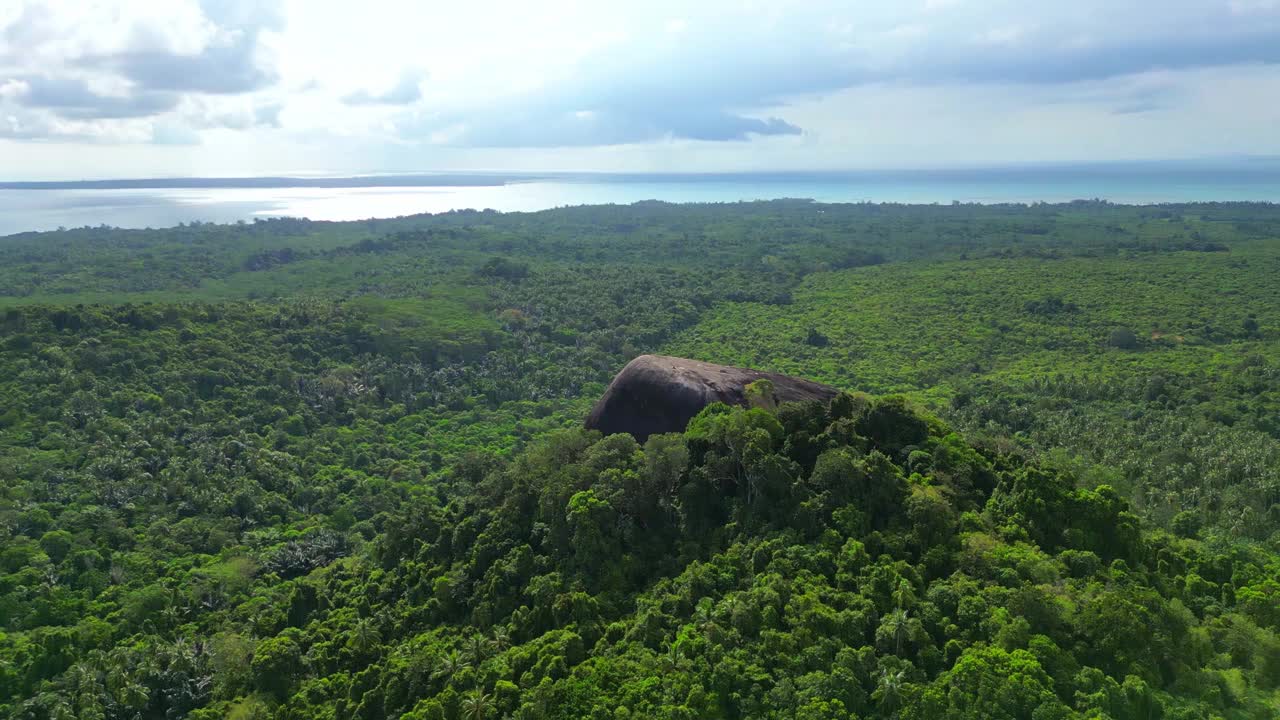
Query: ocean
79,204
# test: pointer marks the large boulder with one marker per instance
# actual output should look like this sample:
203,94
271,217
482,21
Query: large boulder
658,394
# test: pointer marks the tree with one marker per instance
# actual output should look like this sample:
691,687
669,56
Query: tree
364,637
276,665
590,520
761,394
57,544
478,647
501,639
451,666
989,682
888,692
1186,524
1123,338
816,339
505,268
477,705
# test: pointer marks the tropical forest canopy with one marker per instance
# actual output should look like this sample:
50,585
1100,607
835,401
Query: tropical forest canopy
295,470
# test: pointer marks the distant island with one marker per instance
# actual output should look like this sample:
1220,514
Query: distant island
1250,169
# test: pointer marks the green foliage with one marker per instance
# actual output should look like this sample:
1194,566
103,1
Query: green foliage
334,470
1123,338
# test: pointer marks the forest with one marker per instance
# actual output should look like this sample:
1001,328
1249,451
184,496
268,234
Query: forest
298,470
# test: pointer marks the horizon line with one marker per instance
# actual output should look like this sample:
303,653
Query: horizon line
494,178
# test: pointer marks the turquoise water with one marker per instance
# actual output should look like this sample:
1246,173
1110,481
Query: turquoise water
25,210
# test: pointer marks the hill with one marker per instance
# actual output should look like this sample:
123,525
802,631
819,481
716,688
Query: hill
332,470
850,560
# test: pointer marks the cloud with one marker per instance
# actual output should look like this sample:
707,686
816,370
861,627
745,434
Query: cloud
723,71
268,115
22,126
230,65
61,33
73,68
254,14
1041,58
406,91
36,126
588,128
571,75
707,81
72,98
231,60
234,114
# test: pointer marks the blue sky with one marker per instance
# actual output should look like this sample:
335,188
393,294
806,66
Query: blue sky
122,88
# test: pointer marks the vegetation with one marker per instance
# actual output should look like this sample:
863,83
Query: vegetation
335,470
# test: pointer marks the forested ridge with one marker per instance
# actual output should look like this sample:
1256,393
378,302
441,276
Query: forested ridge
291,469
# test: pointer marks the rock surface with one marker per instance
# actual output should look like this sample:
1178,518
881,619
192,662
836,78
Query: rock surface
659,394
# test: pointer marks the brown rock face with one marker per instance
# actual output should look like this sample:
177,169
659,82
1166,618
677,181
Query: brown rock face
658,394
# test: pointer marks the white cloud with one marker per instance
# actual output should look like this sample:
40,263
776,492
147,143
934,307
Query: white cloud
11,89
665,84
406,91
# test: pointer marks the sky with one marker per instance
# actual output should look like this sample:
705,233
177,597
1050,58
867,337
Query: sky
148,88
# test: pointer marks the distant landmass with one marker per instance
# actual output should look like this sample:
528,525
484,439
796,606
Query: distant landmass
1251,168
38,205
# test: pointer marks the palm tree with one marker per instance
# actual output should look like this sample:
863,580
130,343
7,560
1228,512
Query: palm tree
172,616
84,677
501,639
451,665
133,696
87,703
704,618
904,595
889,691
62,710
477,705
365,637
477,649
897,625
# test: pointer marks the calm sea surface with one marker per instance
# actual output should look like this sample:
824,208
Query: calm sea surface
24,210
